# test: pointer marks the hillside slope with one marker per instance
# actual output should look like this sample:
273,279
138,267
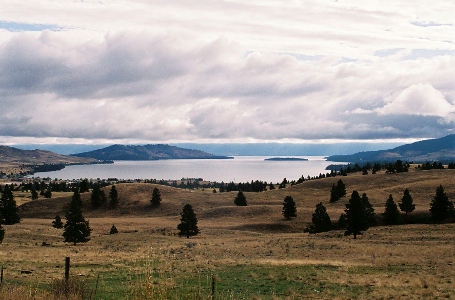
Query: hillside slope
11,154
442,149
264,209
146,152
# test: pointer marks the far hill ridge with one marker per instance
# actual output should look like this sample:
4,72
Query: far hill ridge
146,152
442,149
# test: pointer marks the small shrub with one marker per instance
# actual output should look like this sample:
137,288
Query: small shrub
113,230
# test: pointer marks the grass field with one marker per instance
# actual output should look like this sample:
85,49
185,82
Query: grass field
252,252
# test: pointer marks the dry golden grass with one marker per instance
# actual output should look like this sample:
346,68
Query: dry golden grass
407,262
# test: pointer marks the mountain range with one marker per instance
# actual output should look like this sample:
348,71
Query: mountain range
146,152
442,149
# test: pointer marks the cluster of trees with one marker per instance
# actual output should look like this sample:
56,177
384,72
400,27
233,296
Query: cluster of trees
434,165
359,214
338,191
255,186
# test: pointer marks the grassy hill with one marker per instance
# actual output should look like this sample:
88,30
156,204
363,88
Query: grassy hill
263,208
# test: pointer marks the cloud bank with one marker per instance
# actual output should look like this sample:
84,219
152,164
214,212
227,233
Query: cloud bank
226,71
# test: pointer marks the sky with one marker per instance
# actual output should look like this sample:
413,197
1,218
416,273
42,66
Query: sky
218,71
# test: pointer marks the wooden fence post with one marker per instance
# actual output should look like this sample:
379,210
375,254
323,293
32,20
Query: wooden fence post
67,268
1,280
213,287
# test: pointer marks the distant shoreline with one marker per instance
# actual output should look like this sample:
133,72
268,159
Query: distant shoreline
286,159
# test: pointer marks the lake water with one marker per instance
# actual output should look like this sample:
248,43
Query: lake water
239,169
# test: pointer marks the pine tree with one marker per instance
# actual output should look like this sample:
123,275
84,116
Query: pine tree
342,221
113,196
48,192
188,222
333,194
407,204
440,207
156,197
76,229
57,223
356,216
283,184
338,191
371,216
97,198
391,215
76,198
341,189
8,207
321,220
84,186
289,209
34,194
2,233
113,230
240,200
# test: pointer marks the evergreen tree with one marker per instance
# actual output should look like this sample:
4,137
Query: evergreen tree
97,198
338,191
113,196
371,216
391,215
76,229
34,194
283,184
113,230
321,220
8,207
341,189
156,197
289,209
2,233
356,216
271,186
48,192
440,207
188,222
84,186
76,198
342,221
240,200
222,187
57,223
407,204
333,194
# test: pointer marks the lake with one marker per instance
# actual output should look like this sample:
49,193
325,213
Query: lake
239,169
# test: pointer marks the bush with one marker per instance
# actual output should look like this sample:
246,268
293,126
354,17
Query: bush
113,230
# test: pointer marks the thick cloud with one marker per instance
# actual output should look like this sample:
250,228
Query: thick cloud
227,71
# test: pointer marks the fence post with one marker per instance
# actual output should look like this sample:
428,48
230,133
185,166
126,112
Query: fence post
67,268
213,287
1,280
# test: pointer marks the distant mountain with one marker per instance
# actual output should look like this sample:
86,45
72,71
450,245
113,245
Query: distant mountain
442,149
146,152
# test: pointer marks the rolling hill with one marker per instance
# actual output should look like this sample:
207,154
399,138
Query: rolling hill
442,149
146,152
11,157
